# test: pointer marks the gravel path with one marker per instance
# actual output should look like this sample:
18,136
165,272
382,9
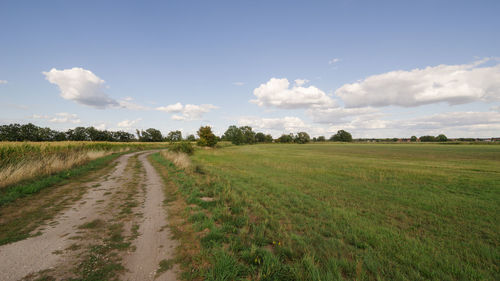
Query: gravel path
38,253
153,245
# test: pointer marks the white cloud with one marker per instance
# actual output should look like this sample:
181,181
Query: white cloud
4,81
171,108
128,123
129,104
300,82
238,83
178,117
285,124
101,126
453,84
454,119
333,61
80,85
277,93
453,124
187,112
37,116
62,117
337,114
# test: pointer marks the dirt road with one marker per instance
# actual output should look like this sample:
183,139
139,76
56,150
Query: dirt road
112,202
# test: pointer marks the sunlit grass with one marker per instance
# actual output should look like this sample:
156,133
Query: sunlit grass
347,211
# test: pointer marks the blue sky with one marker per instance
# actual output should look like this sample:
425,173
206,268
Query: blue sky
374,68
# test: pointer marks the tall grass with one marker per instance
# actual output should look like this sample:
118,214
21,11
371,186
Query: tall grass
21,161
179,159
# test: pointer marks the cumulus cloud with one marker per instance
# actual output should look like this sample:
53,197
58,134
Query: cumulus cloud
80,85
278,93
453,84
129,103
177,107
100,126
454,124
333,61
62,117
187,112
300,82
4,81
286,124
337,114
454,119
128,123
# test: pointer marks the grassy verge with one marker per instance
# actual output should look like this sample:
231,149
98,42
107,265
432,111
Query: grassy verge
340,212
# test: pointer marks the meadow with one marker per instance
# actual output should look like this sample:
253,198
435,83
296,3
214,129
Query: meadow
337,212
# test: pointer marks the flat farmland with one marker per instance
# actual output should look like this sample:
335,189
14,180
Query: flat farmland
343,211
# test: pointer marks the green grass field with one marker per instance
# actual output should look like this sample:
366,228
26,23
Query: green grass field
343,211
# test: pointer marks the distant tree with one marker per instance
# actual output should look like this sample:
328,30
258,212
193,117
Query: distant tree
427,138
174,136
234,135
286,138
441,138
260,137
191,138
269,138
342,136
77,134
207,138
302,137
321,138
123,136
413,138
248,134
155,135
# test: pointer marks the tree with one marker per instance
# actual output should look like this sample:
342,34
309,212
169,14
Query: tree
174,136
155,135
234,135
248,134
77,134
342,136
260,137
413,138
441,138
427,138
207,138
321,138
269,138
286,138
191,138
302,137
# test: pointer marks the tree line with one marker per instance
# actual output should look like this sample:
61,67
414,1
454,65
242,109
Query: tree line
205,136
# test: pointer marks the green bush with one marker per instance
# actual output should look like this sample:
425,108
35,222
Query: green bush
183,146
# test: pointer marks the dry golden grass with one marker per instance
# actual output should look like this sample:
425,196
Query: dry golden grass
47,165
179,159
21,161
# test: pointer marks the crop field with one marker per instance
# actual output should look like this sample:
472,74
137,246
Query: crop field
21,162
338,211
